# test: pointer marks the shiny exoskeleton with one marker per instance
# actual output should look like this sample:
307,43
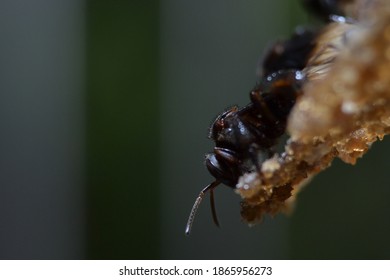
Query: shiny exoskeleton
246,137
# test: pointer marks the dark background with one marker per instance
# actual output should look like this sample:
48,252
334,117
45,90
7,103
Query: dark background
104,111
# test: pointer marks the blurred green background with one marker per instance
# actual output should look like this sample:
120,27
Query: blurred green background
104,112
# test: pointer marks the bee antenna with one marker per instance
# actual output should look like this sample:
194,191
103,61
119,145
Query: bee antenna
197,202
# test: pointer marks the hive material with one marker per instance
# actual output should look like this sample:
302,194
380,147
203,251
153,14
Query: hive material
344,109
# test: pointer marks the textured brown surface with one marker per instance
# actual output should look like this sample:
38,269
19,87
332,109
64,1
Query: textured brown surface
344,109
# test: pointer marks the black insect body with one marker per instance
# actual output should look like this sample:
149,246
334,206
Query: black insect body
246,137
289,54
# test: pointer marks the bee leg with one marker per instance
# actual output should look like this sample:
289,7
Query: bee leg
254,156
